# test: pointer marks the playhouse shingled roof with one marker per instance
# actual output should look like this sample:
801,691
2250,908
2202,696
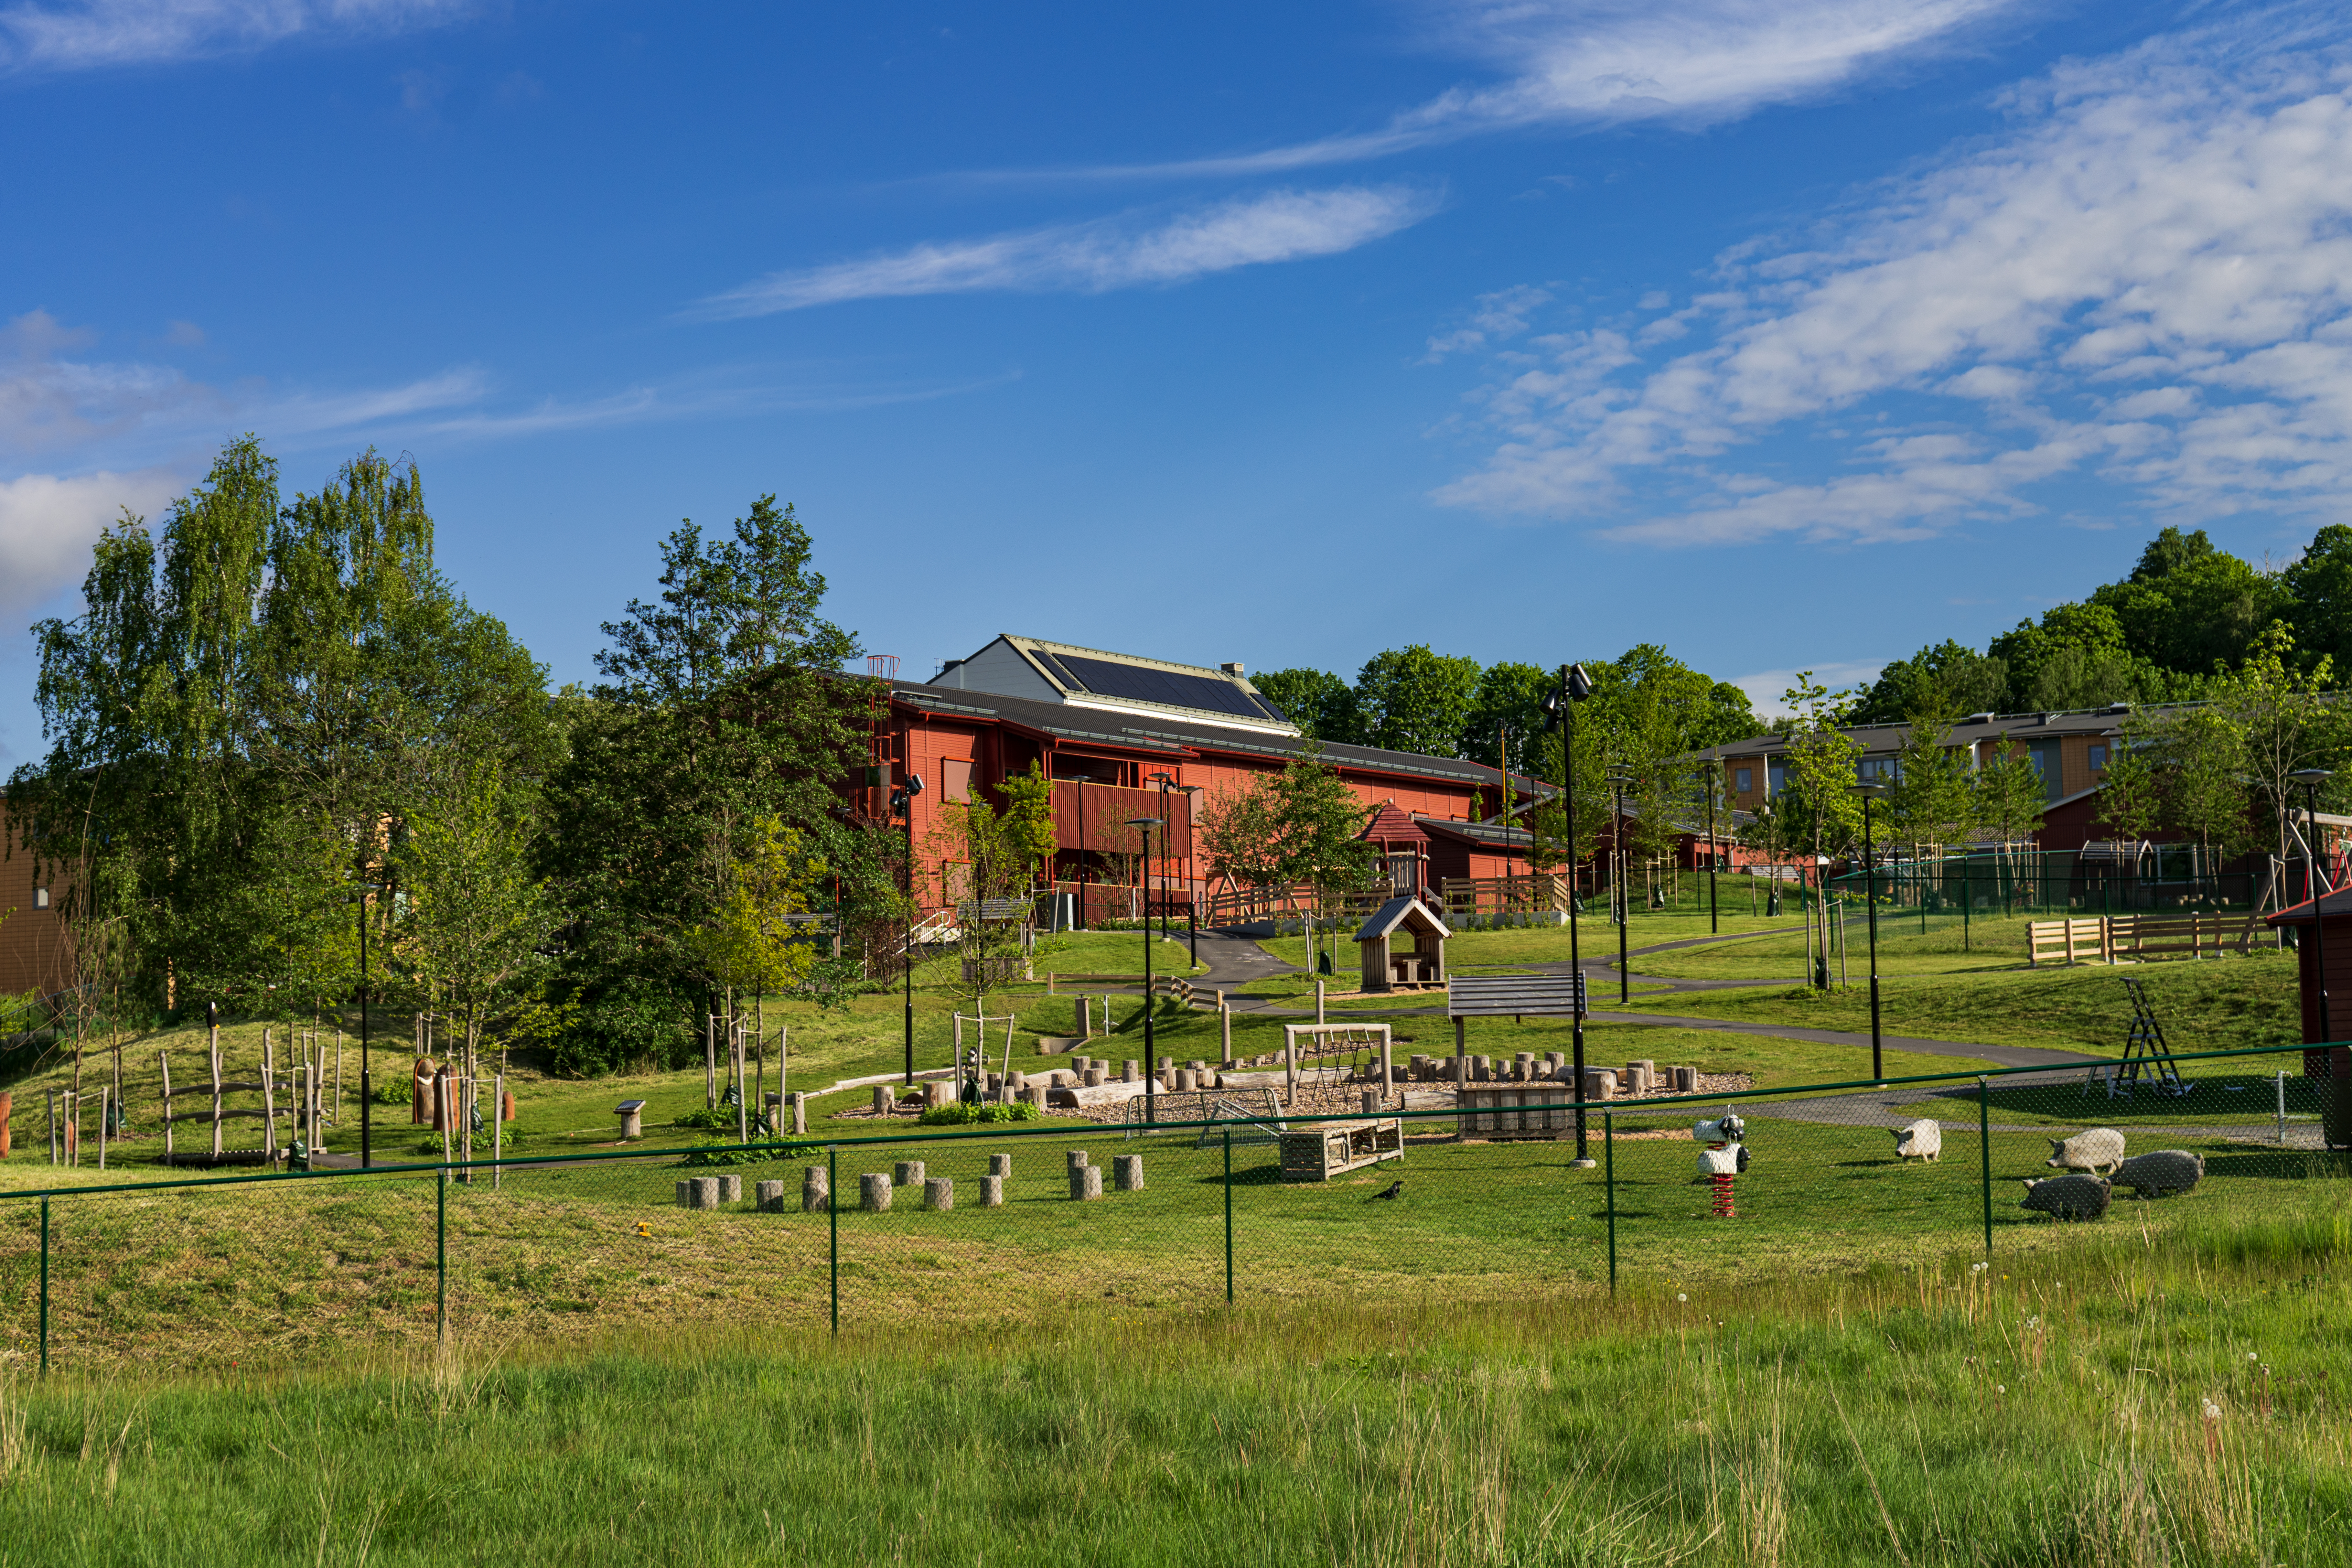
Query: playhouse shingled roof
1392,914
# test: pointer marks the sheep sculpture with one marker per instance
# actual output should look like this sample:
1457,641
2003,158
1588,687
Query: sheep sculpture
1922,1139
2100,1149
2068,1197
2161,1172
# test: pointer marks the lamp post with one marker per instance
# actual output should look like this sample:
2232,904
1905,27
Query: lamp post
2311,779
1151,1062
1163,781
367,1089
1871,792
1618,779
1713,772
1575,686
902,804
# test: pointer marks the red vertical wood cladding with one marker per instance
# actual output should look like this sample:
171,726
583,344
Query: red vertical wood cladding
33,940
1089,816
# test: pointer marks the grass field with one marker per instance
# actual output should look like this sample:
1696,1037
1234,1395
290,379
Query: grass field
2218,1003
2113,1399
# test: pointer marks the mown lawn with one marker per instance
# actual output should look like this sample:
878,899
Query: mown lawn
2218,1003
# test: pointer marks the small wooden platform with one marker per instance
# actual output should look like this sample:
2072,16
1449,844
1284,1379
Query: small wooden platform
1335,1148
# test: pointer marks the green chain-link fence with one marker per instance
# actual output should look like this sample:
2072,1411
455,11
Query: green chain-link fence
279,1269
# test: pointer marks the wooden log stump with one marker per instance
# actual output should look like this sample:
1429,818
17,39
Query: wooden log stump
1078,1160
705,1192
771,1196
1686,1079
816,1190
1132,1072
882,1100
1000,1165
992,1192
730,1189
686,1194
939,1194
1085,1182
1035,1094
799,1114
1371,1100
874,1192
1094,1077
909,1173
1127,1171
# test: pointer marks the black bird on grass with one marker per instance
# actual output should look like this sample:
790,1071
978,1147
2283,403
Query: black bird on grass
1393,1190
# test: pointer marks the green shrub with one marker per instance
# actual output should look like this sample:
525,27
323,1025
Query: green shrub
620,1029
962,1115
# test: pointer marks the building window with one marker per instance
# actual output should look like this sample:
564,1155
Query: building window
2098,759
1747,777
1776,778
40,898
1887,768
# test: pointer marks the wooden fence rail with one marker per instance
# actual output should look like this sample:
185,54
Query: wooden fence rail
2108,937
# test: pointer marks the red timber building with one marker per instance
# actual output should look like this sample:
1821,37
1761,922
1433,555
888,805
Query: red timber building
1124,737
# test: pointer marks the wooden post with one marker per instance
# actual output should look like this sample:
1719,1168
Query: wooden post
742,1091
53,1127
1224,1031
1460,1036
163,1061
339,1075
711,1061
1388,1063
1318,999
104,1100
268,1103
216,1093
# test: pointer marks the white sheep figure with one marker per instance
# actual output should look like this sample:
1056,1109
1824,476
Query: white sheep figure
2099,1151
1923,1140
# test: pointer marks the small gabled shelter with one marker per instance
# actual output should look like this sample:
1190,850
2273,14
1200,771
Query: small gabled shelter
1402,944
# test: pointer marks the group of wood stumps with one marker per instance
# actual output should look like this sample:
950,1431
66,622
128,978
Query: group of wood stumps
876,1188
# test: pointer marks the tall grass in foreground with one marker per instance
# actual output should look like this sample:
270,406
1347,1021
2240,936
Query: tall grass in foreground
2179,1399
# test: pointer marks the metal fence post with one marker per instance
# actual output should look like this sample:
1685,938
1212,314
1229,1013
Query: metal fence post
45,1286
1984,1155
1608,1180
833,1225
1229,1216
441,1251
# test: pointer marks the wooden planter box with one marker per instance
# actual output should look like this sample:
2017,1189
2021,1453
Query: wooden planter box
1335,1148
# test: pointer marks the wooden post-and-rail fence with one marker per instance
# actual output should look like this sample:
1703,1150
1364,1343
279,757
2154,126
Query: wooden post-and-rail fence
2110,938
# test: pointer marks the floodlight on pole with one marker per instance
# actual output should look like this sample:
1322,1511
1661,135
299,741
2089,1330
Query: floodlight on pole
1151,1061
1871,792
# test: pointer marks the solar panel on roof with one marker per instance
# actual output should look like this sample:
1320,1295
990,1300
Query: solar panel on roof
1165,686
1060,671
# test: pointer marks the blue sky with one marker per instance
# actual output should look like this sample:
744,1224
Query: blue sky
1789,335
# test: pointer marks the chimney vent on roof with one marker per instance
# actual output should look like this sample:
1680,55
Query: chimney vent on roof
1977,719
2118,708
1235,671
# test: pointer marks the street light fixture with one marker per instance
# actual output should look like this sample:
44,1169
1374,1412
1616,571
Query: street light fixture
1618,779
1151,1060
1871,792
1575,686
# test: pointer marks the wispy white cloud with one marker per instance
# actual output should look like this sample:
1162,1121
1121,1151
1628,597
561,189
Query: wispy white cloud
1604,62
1096,257
2147,283
48,525
1495,318
96,33
1766,688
